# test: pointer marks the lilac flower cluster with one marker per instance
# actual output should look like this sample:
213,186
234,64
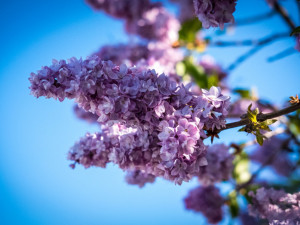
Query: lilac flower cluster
155,55
206,200
134,149
155,24
167,118
274,154
215,13
91,150
138,177
123,9
277,207
148,20
219,165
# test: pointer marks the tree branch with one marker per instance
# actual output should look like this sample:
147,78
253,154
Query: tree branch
258,42
254,19
282,12
283,54
262,117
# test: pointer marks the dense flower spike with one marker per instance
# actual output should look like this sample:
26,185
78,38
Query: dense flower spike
141,99
274,154
118,93
123,9
148,20
137,177
92,150
215,13
219,165
135,149
155,24
206,200
277,207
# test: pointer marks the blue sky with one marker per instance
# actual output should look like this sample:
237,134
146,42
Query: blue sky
36,184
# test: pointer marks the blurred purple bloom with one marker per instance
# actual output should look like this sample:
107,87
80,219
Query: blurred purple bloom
137,177
277,207
219,165
214,13
274,153
297,47
206,200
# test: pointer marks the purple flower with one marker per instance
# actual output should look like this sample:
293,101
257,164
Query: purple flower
169,149
206,200
203,107
297,47
214,13
275,154
141,116
125,9
277,207
214,96
188,129
155,24
219,166
138,177
90,151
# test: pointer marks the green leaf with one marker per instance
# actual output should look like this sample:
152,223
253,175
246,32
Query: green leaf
256,111
180,68
259,139
196,72
244,93
295,31
264,127
294,123
233,204
252,114
269,122
213,80
189,30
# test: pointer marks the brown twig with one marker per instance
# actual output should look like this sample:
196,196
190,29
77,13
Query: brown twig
282,12
262,117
